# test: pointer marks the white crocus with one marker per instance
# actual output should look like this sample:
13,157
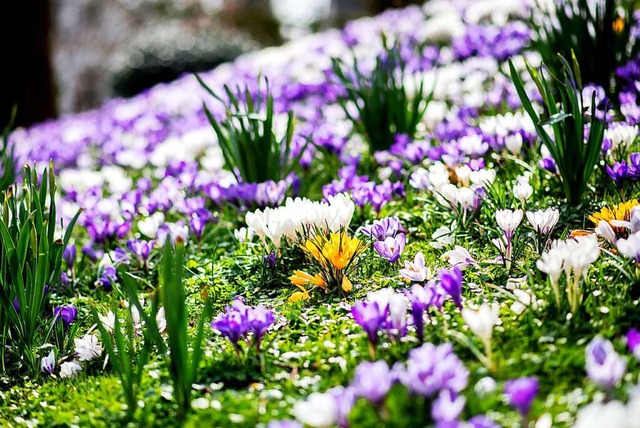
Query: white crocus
416,270
605,230
48,363
88,347
630,247
543,221
442,237
460,257
522,190
318,410
69,369
513,143
150,225
509,220
481,321
108,321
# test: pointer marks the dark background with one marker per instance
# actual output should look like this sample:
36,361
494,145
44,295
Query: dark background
66,56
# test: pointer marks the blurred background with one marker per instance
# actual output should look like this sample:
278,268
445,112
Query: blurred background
67,56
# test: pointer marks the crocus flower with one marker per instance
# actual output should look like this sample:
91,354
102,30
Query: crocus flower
633,342
416,270
391,248
451,282
630,247
481,322
69,369
604,366
259,320
508,220
543,221
372,381
521,392
382,229
460,257
370,316
69,255
431,369
232,325
67,314
318,410
447,407
87,347
141,249
422,298
48,363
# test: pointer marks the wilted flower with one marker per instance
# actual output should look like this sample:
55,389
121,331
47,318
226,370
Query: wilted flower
521,392
604,366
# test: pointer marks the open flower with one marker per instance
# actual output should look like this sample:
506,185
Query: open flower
416,270
604,366
391,248
459,257
521,392
543,221
88,347
617,216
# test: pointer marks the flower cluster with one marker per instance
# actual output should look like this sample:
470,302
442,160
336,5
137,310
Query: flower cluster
298,216
390,241
334,255
573,257
239,320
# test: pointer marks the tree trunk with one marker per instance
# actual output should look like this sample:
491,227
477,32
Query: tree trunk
27,81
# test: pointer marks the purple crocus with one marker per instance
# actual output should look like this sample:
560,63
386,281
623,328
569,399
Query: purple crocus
431,369
618,172
391,248
259,319
232,325
383,228
451,282
521,392
372,380
108,278
446,409
270,260
67,314
604,366
141,249
69,255
370,316
422,298
633,342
